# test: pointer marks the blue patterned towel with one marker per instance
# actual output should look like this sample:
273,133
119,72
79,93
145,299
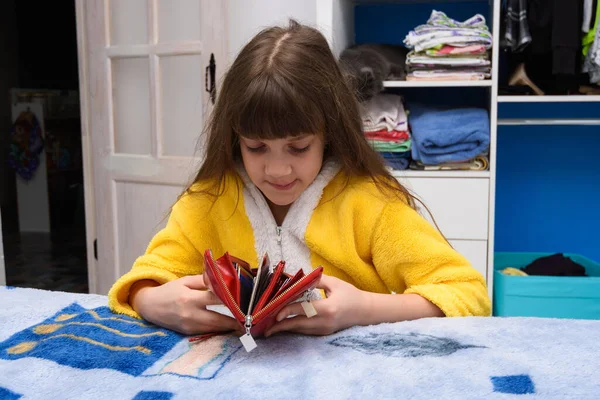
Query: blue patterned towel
448,135
57,345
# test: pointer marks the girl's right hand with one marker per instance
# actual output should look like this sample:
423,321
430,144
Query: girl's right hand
180,305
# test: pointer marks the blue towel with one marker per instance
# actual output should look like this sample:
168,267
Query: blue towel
448,135
395,160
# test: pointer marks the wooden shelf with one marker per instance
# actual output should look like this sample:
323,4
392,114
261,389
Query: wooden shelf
548,99
418,84
440,174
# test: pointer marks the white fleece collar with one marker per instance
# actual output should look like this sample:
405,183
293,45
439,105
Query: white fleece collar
293,248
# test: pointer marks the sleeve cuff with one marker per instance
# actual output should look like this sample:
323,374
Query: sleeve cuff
118,296
449,298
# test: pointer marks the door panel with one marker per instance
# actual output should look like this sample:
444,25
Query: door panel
144,67
181,103
142,209
131,105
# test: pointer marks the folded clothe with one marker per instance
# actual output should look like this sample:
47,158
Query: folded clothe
448,68
438,38
439,18
479,163
554,265
395,160
513,272
447,50
387,136
384,126
448,135
446,76
465,61
442,30
386,146
395,154
384,111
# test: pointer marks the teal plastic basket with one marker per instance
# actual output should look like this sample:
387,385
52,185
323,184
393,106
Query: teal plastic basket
575,297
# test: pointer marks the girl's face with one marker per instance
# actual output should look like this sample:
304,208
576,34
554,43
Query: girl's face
283,168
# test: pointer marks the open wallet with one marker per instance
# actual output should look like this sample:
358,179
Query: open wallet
256,295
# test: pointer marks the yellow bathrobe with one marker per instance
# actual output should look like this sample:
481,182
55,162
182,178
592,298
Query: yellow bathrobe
357,234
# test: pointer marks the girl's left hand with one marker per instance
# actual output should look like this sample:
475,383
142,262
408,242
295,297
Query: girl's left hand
345,306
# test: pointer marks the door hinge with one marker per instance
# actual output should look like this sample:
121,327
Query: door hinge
96,249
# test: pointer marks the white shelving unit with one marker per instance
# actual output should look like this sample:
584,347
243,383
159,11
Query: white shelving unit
430,84
548,121
441,174
462,201
549,99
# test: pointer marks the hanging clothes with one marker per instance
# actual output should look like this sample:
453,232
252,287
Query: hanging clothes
517,36
591,50
555,27
587,20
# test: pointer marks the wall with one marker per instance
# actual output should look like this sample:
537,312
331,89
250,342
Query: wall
2,269
8,79
390,23
548,182
248,17
343,26
47,44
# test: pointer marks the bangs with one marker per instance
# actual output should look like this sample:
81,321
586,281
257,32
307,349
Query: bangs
272,108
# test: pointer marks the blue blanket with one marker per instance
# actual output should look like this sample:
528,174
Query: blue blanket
448,135
57,345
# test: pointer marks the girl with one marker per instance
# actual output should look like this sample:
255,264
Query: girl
289,172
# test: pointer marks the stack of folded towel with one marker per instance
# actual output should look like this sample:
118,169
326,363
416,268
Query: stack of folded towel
446,138
445,49
385,126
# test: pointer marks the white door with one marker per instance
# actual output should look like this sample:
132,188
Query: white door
144,97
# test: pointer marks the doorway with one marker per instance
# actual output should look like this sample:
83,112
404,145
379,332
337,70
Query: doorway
41,186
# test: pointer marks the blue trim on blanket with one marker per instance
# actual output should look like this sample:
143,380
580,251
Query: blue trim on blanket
513,384
89,339
147,395
6,394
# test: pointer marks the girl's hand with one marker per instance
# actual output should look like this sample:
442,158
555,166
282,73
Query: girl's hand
345,306
180,305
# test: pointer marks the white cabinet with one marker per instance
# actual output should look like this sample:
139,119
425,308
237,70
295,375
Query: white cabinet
458,205
475,251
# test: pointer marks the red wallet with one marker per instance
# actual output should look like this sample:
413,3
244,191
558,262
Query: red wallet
256,295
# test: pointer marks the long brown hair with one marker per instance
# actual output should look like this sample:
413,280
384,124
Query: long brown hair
286,82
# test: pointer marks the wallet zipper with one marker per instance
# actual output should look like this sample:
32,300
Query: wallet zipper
279,242
276,299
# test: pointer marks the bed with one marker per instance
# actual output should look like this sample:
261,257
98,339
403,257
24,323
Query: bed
56,345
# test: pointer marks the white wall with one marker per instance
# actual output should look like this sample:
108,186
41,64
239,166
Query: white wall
248,17
343,25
